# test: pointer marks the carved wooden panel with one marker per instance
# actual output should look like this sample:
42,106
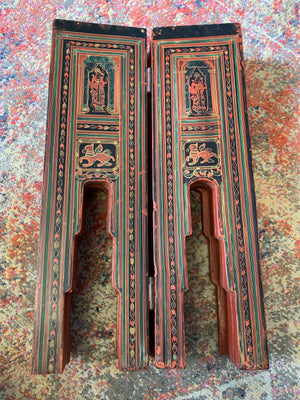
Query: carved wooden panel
95,136
201,142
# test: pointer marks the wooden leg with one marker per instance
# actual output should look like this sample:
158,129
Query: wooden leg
95,136
201,141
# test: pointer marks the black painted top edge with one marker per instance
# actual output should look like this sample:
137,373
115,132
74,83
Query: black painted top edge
189,31
87,27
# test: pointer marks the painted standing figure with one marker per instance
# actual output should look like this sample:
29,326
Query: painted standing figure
98,89
198,93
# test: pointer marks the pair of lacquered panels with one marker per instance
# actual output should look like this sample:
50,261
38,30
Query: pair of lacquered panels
98,134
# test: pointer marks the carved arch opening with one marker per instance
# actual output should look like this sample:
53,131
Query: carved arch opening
211,227
88,190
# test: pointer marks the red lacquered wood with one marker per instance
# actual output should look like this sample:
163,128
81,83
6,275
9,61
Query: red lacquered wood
201,142
96,135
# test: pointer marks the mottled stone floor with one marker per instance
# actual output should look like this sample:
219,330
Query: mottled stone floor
271,64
